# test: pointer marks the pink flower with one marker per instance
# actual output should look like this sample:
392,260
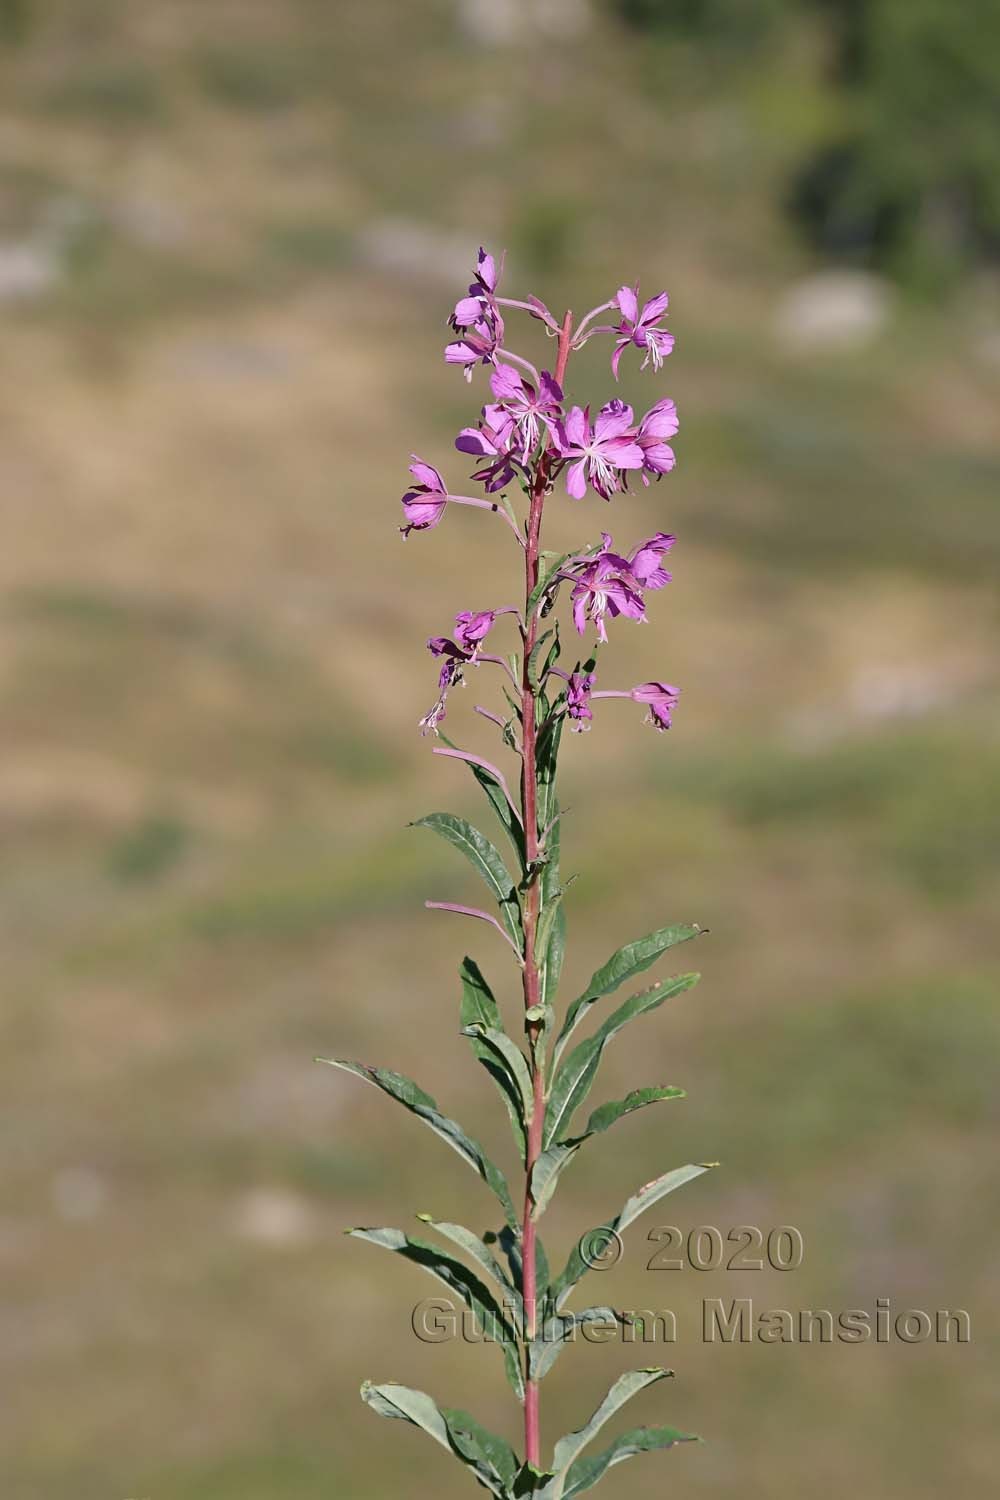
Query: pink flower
473,626
661,699
604,585
640,328
421,505
528,409
644,561
492,440
579,686
659,423
601,453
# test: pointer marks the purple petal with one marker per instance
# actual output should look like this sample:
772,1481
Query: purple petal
612,424
622,452
576,479
655,308
627,303
427,474
661,420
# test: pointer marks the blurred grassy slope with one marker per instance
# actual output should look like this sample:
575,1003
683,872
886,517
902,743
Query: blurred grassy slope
211,668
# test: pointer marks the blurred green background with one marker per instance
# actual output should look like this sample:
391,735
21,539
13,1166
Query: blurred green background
230,231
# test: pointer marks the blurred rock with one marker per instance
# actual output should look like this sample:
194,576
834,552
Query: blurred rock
152,221
833,310
79,1193
274,1216
412,249
502,23
28,269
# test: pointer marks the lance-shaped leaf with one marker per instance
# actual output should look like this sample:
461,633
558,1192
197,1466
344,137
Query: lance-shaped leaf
568,1448
485,858
546,1173
559,1331
479,1012
552,1161
577,1267
633,959
409,1094
508,1056
608,1114
510,1244
456,1276
586,1472
483,1255
551,894
531,1482
490,1458
489,1455
494,784
575,1076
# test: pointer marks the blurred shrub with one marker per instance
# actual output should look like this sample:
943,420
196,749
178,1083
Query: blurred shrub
910,180
15,20
722,21
149,849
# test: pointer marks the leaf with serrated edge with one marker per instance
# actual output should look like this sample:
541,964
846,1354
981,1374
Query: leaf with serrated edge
486,859
569,1447
409,1094
574,1078
576,1267
633,959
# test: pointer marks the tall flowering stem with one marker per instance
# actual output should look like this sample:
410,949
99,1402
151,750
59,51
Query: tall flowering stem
532,994
530,436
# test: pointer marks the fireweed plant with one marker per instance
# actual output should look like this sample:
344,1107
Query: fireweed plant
530,435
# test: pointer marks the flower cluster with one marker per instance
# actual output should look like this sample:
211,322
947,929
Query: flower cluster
530,436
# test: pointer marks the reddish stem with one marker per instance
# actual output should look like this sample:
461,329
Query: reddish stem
532,996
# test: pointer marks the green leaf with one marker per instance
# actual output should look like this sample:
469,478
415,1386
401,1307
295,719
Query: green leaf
586,1472
576,1267
510,1070
491,1456
552,1161
481,1253
511,1246
456,1276
633,959
491,1459
559,1331
573,1080
409,1094
479,1009
484,858
551,563
546,1172
607,1115
530,1481
569,1447
406,1405
536,672
498,801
